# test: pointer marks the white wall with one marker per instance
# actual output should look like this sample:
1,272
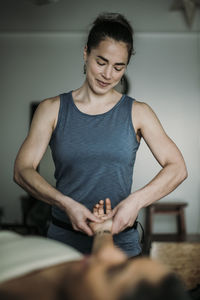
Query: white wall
164,73
33,67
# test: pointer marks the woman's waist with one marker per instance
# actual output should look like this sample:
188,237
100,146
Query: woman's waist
68,226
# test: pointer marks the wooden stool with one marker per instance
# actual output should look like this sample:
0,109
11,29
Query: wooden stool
170,208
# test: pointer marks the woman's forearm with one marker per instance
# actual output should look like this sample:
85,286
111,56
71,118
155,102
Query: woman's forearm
161,185
31,181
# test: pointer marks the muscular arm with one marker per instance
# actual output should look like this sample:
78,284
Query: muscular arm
32,151
30,155
167,154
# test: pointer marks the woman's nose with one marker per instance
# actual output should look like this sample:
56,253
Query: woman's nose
107,73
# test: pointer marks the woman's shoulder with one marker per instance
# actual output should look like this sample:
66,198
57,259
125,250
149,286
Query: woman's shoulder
48,110
137,104
142,113
49,105
50,102
141,107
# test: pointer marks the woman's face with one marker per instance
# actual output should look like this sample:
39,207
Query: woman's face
105,65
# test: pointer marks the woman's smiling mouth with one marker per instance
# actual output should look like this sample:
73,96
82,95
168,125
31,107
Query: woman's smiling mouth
102,83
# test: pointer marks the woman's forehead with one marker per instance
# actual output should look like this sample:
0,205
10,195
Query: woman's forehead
110,48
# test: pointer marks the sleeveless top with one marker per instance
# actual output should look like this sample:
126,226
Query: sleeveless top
94,155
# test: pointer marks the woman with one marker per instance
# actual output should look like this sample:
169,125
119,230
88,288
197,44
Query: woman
94,133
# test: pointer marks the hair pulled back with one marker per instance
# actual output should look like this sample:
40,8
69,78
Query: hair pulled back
114,26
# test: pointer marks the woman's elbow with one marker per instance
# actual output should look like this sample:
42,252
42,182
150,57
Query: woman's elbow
185,173
16,175
182,172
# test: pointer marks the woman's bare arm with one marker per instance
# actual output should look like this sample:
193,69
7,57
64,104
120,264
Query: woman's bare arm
29,157
32,151
167,154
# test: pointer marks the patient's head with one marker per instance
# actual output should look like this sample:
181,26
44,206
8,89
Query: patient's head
124,279
167,288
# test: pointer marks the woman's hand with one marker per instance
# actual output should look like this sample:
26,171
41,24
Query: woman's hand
124,215
98,211
80,216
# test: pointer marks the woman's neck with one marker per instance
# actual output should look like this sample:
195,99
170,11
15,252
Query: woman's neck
87,95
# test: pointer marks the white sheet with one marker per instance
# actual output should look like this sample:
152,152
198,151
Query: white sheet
20,255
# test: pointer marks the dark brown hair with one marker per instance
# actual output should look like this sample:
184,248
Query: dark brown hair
114,26
169,288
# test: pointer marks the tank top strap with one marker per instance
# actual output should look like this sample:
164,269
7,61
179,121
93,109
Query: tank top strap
62,113
64,107
129,102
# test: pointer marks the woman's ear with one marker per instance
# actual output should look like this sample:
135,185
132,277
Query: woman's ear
85,53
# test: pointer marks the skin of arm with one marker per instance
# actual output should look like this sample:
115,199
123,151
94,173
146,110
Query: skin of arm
167,154
29,157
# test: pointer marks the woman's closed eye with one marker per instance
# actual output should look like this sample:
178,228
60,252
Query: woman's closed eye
100,63
116,68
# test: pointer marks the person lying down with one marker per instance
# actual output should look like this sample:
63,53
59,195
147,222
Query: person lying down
40,268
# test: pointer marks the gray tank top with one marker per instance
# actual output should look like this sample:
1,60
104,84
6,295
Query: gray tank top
94,155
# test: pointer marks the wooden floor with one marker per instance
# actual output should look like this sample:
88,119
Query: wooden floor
182,257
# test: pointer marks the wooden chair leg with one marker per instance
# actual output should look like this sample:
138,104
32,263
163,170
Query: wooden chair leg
181,225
